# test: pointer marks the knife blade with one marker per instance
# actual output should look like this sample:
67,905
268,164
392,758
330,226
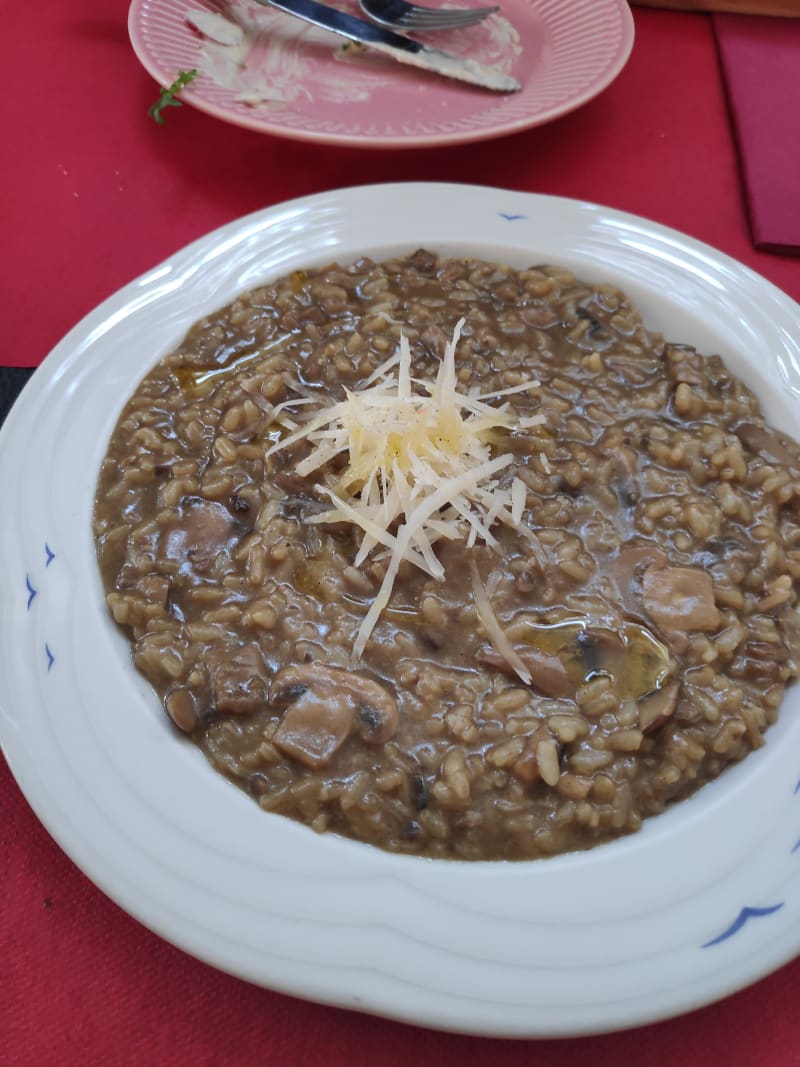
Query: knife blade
403,49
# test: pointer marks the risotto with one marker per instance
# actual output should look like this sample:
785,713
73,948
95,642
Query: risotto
455,559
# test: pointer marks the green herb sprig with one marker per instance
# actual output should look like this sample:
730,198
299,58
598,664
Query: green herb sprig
169,97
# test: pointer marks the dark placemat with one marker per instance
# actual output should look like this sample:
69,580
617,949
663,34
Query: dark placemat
760,60
12,380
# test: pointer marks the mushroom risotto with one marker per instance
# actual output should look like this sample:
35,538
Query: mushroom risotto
452,558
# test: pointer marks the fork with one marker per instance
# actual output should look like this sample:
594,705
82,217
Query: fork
400,15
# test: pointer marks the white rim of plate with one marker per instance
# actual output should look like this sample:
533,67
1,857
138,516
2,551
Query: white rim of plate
501,115
701,902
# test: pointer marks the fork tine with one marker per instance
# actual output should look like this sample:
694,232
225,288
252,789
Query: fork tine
431,19
412,23
472,12
451,13
451,20
405,16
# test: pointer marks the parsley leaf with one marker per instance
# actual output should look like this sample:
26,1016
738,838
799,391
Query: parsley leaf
168,97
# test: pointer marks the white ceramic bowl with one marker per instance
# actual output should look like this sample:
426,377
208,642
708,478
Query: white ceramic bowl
702,901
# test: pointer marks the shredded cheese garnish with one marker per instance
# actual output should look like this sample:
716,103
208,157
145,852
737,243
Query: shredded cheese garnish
420,463
494,630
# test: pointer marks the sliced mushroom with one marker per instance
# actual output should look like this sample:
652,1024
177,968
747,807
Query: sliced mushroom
197,532
238,678
548,673
424,261
283,473
627,570
435,340
687,713
623,459
656,707
762,662
725,550
327,703
631,562
418,791
765,444
623,464
376,720
181,707
313,729
597,329
680,598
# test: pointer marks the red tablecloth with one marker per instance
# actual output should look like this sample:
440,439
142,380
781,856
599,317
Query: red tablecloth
94,193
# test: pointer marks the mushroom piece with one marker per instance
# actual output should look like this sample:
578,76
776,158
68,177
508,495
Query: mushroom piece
313,729
548,673
435,340
765,444
656,707
424,261
631,561
680,598
624,459
326,704
181,706
238,678
761,661
615,446
627,570
196,533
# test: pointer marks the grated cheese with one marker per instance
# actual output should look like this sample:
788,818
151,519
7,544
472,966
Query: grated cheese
495,631
420,462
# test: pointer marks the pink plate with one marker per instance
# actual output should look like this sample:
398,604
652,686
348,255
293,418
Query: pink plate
267,71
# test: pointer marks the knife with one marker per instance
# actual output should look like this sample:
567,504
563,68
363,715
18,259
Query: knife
395,45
